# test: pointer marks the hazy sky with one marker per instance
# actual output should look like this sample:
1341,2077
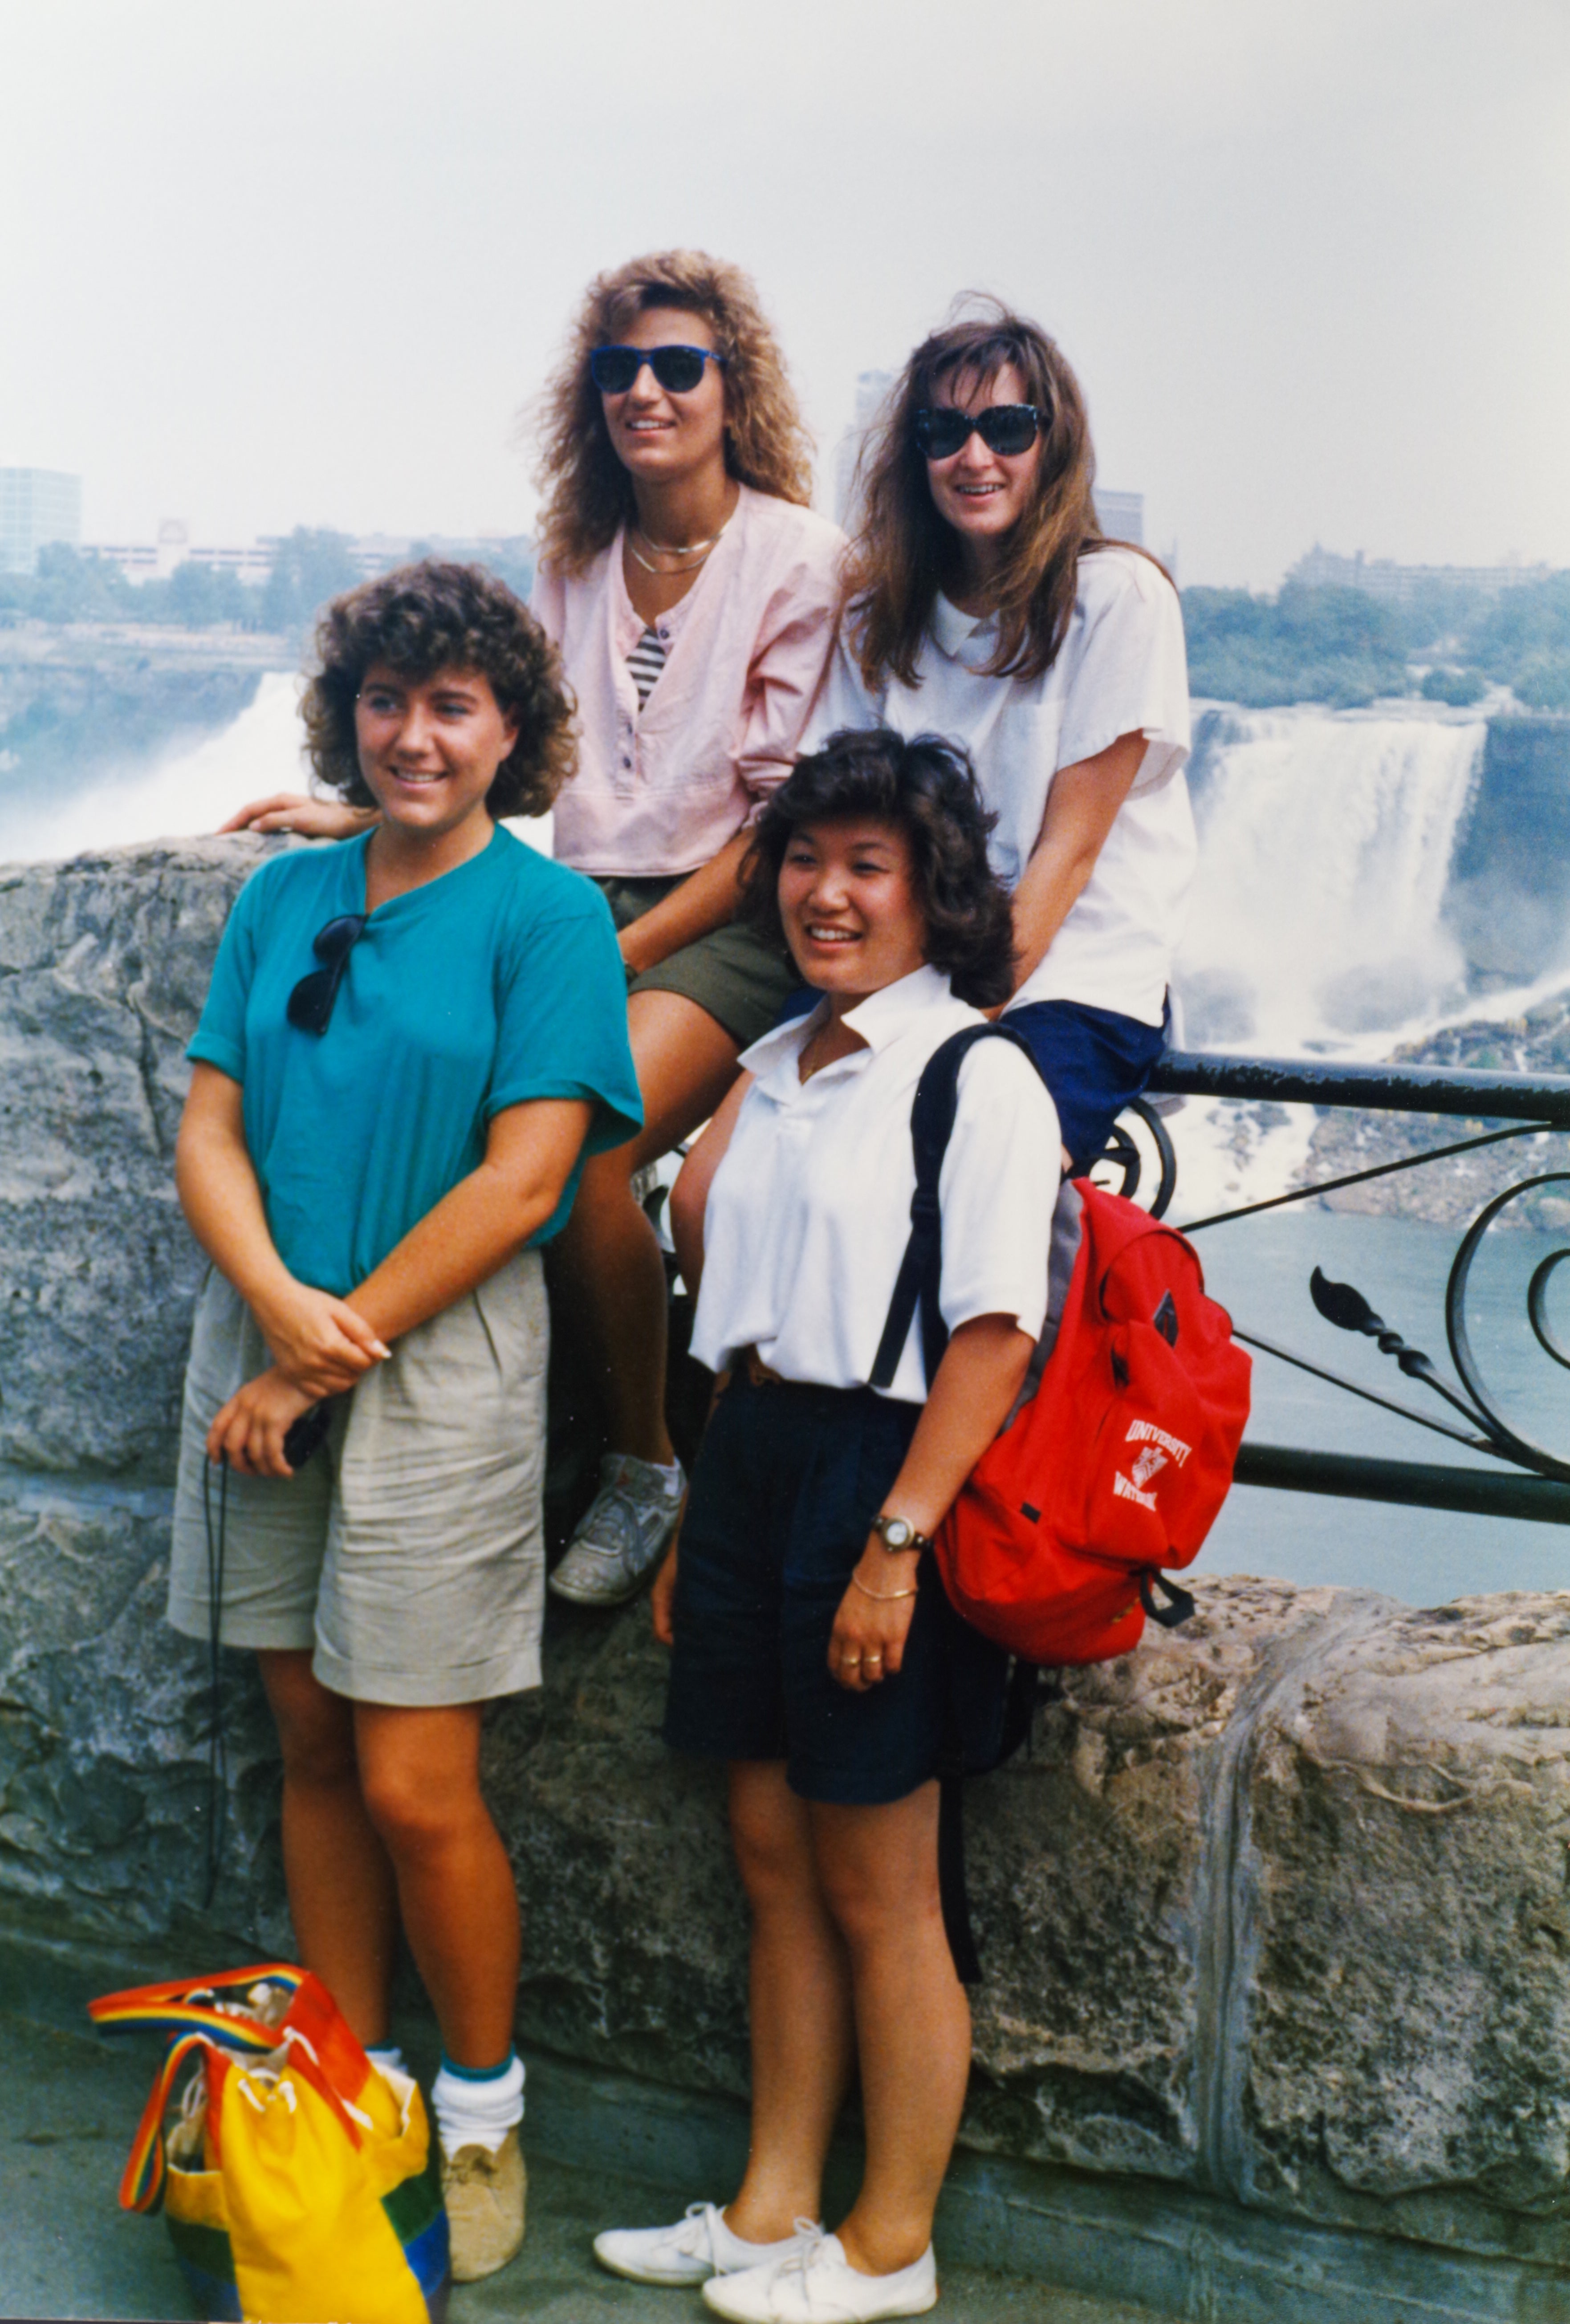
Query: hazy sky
300,263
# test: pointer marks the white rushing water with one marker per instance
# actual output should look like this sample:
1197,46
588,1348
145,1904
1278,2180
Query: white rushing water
193,789
1317,926
1326,845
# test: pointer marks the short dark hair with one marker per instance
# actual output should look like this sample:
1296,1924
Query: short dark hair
435,617
925,787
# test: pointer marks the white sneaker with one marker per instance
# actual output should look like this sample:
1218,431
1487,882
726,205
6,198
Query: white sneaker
816,2285
623,1533
696,2247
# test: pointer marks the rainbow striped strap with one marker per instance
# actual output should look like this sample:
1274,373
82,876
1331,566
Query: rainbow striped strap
142,2183
186,2005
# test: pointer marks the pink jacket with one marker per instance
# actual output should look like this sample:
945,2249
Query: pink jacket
746,648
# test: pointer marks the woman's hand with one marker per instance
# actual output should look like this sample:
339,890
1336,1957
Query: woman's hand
319,1341
662,1600
313,818
249,1432
869,1629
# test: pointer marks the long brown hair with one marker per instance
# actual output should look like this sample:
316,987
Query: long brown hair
904,552
589,494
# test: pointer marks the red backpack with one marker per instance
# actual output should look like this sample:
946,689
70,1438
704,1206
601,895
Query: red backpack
1120,1451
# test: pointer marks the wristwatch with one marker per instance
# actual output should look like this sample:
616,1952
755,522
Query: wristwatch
898,1534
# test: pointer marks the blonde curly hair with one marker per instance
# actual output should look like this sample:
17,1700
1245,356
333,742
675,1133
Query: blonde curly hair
588,492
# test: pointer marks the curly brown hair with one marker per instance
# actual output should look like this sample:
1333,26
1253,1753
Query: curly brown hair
903,551
435,617
925,787
589,494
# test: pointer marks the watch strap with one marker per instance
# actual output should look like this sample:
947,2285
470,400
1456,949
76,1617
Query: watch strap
916,1541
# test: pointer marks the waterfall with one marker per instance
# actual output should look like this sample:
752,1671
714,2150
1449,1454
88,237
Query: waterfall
1324,850
191,791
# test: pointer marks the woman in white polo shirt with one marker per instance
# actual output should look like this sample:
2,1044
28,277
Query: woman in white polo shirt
984,604
814,1650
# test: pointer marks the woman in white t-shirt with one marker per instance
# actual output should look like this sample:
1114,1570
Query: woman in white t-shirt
984,604
814,1650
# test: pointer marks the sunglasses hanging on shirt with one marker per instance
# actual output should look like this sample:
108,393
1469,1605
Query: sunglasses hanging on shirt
310,1006
678,370
1006,428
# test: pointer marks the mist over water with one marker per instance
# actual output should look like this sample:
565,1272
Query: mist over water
189,792
1325,846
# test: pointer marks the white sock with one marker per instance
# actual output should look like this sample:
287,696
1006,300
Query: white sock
386,2056
477,2110
668,1472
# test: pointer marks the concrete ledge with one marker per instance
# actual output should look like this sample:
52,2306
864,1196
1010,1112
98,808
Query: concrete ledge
1141,2242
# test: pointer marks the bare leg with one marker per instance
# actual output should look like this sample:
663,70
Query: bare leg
801,2031
688,1199
606,1260
879,1870
340,1885
421,1772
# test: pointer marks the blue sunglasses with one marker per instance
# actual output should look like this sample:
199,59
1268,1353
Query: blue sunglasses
678,370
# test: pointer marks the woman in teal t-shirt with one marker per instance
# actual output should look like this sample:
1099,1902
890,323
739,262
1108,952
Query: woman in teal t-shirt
411,1042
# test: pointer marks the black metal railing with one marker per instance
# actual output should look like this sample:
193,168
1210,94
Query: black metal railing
1531,1482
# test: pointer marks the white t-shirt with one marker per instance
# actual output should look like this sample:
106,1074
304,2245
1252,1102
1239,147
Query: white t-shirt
810,1211
1120,670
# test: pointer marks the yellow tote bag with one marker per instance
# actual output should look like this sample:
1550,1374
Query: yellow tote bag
300,2184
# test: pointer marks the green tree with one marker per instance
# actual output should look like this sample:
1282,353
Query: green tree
1338,646
310,567
71,588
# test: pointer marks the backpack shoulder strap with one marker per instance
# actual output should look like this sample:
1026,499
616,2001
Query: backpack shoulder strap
921,1274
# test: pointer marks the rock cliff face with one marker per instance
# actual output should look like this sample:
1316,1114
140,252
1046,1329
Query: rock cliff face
1276,1908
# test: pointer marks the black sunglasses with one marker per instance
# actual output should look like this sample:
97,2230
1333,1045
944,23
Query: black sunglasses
310,1006
941,431
678,370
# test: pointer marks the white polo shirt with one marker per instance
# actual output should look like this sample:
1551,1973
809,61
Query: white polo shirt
1120,670
810,1211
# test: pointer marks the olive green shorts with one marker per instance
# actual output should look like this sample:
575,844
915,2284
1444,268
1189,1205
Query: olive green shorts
741,982
409,1552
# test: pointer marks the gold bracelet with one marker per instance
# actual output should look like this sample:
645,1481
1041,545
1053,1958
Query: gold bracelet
882,1597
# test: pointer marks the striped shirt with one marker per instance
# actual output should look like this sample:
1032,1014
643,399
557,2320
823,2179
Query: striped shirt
646,661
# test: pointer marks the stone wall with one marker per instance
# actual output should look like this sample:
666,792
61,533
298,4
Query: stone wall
1276,1909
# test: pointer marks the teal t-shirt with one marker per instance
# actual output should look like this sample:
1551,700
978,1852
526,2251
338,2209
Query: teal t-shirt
498,983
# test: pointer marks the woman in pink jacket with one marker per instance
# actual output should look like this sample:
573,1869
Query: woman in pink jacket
691,592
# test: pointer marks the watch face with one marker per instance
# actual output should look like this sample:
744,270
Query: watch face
896,1533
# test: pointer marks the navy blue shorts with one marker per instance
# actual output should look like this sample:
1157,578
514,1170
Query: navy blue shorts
786,1487
1094,1060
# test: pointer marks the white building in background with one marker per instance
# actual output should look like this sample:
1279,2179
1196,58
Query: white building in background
1380,577
156,560
37,506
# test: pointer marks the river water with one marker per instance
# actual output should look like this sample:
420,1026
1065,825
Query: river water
1318,927
1259,1269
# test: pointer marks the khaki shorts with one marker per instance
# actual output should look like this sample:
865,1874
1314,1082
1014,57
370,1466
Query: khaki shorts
739,980
409,1552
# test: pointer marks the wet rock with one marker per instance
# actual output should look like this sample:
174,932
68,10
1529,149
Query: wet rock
104,963
1401,1924
104,1719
